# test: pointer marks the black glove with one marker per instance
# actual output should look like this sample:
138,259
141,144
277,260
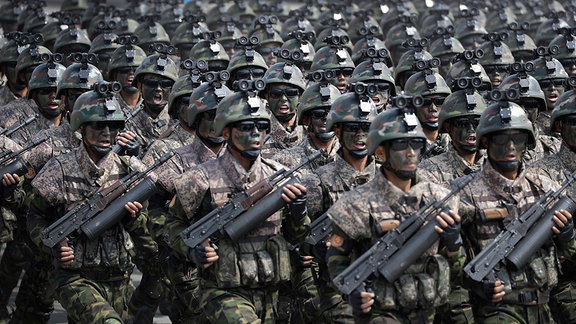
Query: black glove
298,208
488,288
132,148
198,255
451,237
567,233
355,300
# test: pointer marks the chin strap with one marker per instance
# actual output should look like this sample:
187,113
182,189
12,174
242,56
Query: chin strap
403,175
507,166
284,118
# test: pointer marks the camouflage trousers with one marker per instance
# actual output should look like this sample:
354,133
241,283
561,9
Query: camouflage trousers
16,257
298,299
91,298
563,302
239,305
419,316
458,310
146,297
334,308
499,313
183,278
35,298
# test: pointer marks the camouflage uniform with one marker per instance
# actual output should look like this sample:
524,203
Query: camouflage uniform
16,113
559,167
99,277
444,168
126,108
6,95
436,147
148,129
376,201
281,138
545,145
293,156
229,292
178,137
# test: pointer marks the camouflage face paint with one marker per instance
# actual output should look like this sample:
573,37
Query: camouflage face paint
354,139
463,133
251,140
505,149
283,100
569,131
403,160
47,103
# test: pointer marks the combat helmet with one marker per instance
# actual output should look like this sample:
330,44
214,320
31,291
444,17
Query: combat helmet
564,106
127,55
10,51
212,52
416,51
461,103
241,105
520,43
189,33
72,37
524,83
394,123
79,76
374,69
549,28
205,97
48,74
496,52
503,115
30,57
299,42
426,82
466,64
317,95
297,22
355,106
566,44
546,66
97,105
332,57
285,73
247,57
150,32
159,64
9,13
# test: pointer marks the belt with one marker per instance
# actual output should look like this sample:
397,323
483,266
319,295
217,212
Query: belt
105,275
532,297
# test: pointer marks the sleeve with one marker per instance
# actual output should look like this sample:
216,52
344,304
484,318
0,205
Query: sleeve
143,243
338,257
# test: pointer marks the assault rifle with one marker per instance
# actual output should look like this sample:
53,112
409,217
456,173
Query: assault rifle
523,236
18,164
246,209
105,207
319,229
398,248
9,131
117,148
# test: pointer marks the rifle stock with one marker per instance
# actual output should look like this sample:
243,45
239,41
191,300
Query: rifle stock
520,232
104,208
245,210
399,248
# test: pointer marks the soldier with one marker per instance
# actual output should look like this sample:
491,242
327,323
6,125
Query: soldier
246,63
229,293
566,55
434,90
284,86
499,193
365,213
374,71
199,119
123,64
559,167
497,57
532,100
459,118
154,78
270,39
13,88
335,58
91,275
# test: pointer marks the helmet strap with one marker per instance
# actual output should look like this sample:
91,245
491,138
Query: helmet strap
325,137
50,113
430,126
250,155
284,118
403,175
506,166
359,154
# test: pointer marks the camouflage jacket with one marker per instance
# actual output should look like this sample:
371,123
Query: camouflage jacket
6,96
335,179
437,147
16,112
61,140
444,168
280,138
68,181
148,129
488,203
356,215
212,184
293,156
542,124
179,137
545,145
126,108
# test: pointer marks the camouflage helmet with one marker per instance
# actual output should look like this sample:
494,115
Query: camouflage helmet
158,64
126,26
171,18
50,32
267,36
285,73
329,58
240,60
407,60
182,87
305,47
10,11
365,43
72,36
500,19
503,115
209,51
126,56
360,24
548,30
204,98
566,46
469,27
35,21
398,34
463,69
318,95
445,47
350,107
368,71
495,53
30,57
92,106
527,85
229,32
104,42
545,69
189,33
9,52
461,103
564,106
149,33
426,83
391,124
74,5
45,75
237,107
331,32
297,23
79,76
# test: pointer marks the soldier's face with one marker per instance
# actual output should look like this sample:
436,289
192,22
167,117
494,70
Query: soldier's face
318,121
496,73
46,101
552,88
430,111
342,78
155,89
247,135
569,66
267,52
282,99
125,76
403,154
463,132
507,146
568,131
206,124
71,96
101,134
353,136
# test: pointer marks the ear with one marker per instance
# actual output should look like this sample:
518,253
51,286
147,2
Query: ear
226,133
380,153
557,127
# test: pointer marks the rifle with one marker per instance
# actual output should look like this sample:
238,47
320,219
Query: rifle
319,229
117,148
18,164
105,207
398,248
9,131
246,209
523,236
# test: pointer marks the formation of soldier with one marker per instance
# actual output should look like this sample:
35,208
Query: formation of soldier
273,161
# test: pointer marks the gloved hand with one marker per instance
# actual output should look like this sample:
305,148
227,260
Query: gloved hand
204,255
449,229
361,301
295,196
567,233
132,147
